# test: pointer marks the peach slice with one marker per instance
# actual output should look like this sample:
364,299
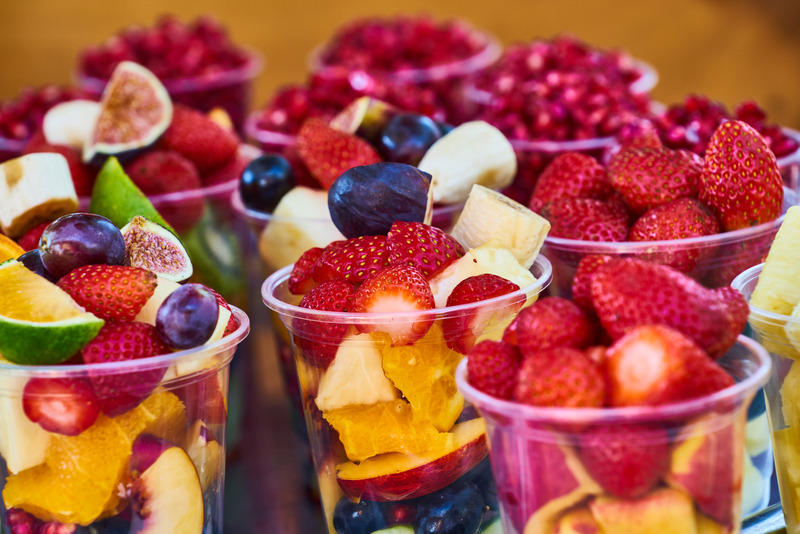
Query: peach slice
577,521
207,454
662,511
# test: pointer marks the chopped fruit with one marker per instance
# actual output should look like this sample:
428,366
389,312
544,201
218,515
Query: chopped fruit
577,521
207,454
570,174
328,152
778,290
301,279
425,247
354,260
740,182
399,289
407,137
585,219
655,365
65,406
553,322
9,249
662,511
30,240
80,239
163,171
199,139
188,316
493,367
629,292
112,292
560,377
41,324
151,246
82,176
70,123
265,181
582,283
205,399
319,340
164,287
462,331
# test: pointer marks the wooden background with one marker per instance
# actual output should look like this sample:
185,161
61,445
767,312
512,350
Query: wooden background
731,50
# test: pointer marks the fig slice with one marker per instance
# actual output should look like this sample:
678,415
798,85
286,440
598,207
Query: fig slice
151,246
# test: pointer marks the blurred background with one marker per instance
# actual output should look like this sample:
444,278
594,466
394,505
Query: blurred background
730,50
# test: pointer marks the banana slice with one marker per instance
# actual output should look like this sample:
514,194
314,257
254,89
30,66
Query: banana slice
492,216
70,123
34,188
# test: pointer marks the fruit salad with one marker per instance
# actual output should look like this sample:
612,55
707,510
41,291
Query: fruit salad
774,299
622,410
114,375
197,61
378,323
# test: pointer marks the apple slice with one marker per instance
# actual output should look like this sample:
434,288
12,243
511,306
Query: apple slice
396,476
207,454
662,511
166,492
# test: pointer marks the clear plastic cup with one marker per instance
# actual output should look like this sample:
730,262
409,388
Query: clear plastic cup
389,456
100,478
790,163
780,334
538,458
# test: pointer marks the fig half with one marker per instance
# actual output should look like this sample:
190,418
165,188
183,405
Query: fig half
151,246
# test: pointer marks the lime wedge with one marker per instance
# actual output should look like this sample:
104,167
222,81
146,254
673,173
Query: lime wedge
118,199
39,323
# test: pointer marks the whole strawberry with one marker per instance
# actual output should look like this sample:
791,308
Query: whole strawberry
741,181
571,174
114,292
553,322
582,282
585,219
425,247
353,260
320,339
493,368
199,139
560,377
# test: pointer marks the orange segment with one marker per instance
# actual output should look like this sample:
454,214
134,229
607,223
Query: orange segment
40,300
9,248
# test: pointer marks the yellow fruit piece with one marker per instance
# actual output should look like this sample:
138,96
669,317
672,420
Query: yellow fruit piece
790,396
425,373
9,248
368,430
81,478
778,288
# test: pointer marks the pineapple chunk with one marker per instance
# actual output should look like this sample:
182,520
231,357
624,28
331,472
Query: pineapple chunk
778,288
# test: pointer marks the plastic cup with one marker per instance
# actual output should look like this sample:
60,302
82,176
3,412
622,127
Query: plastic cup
93,479
790,163
537,458
779,334
355,415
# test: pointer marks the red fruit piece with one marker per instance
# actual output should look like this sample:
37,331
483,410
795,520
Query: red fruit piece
655,364
396,289
30,240
560,377
62,405
493,367
461,331
204,399
229,171
420,245
114,292
233,322
737,256
585,219
682,218
199,139
82,177
118,392
352,260
301,279
625,459
553,322
648,177
570,175
741,181
327,152
319,339
627,293
582,282
163,171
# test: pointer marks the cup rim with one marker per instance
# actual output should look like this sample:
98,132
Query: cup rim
179,357
628,414
792,157
289,310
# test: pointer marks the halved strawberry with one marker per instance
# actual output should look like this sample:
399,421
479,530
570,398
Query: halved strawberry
301,279
425,247
328,152
560,377
493,367
655,364
553,322
462,330
320,339
62,405
396,289
114,292
118,392
352,260
571,174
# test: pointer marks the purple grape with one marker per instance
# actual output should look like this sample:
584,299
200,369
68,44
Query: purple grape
407,137
33,261
80,239
187,317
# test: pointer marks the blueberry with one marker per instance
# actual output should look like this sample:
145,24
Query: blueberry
457,509
407,137
363,517
264,182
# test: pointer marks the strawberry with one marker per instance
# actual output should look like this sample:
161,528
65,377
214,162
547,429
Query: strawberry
353,260
114,292
648,177
62,405
560,377
301,279
582,282
328,152
400,289
585,219
741,181
654,365
228,172
553,322
120,342
425,247
199,139
318,339
493,367
461,330
736,256
682,218
163,171
30,239
82,177
625,459
571,174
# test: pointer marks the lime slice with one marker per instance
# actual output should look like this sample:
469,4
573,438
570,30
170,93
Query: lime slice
118,199
39,323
